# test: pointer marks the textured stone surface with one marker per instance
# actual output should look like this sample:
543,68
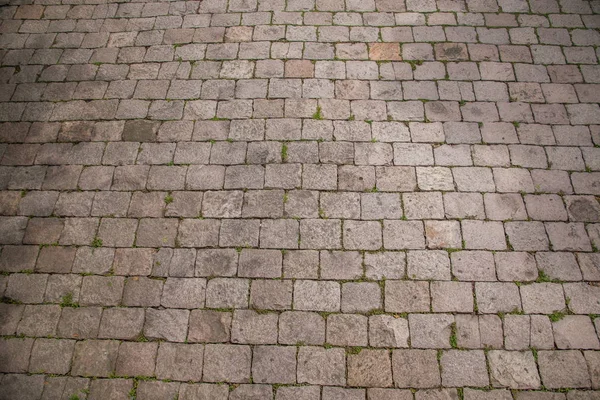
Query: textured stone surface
303,199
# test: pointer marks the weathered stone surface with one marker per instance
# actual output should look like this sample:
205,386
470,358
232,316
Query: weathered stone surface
259,194
370,368
513,369
464,368
321,366
415,368
227,363
179,362
553,364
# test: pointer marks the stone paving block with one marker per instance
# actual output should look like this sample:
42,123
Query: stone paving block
133,261
385,264
415,369
10,315
271,295
79,323
551,363
362,235
321,366
183,293
473,265
396,299
136,359
250,327
166,324
463,205
341,265
361,297
517,332
229,363
495,297
592,361
370,368
320,234
513,369
501,207
388,331
301,264
347,330
559,265
588,265
443,234
403,235
95,358
428,265
156,232
209,326
227,293
451,297
543,298
26,288
101,290
273,364
527,236
301,327
191,391
256,391
575,332
198,233
541,332
23,386
567,236
121,323
15,354
462,368
180,362
298,392
141,291
51,356
39,320
148,390
430,330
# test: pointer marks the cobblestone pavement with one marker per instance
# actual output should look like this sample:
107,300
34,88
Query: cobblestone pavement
301,199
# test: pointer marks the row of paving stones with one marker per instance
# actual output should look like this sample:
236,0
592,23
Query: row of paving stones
313,177
339,152
356,93
490,328
341,204
46,388
310,177
331,234
305,295
347,27
294,264
513,331
179,8
465,331
353,80
184,72
349,42
352,88
336,109
39,183
404,368
551,29
308,130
